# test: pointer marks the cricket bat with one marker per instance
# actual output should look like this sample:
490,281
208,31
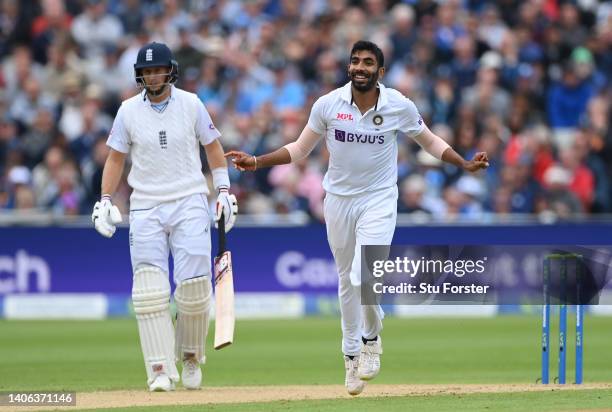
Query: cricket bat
224,292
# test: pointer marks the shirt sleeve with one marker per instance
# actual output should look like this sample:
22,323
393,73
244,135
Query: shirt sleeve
411,123
316,121
205,128
119,138
302,147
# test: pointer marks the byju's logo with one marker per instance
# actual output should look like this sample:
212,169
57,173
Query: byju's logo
342,136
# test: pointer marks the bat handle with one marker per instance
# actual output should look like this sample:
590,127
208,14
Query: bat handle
221,234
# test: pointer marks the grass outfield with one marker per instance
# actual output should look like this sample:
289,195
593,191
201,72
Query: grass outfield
86,356
541,402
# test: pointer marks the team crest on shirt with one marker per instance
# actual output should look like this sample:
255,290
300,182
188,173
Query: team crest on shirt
378,120
163,142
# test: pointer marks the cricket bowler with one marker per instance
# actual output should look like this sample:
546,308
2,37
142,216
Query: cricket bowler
360,122
162,128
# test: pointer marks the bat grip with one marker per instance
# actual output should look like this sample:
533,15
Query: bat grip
221,234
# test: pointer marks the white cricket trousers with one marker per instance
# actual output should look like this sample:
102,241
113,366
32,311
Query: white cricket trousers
180,227
353,221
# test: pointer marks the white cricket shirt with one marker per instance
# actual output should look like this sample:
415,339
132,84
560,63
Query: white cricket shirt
363,148
164,147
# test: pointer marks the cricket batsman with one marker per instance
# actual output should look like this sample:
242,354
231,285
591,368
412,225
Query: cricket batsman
360,122
162,128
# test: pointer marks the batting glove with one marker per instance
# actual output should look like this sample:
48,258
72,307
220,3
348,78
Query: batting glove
105,216
228,206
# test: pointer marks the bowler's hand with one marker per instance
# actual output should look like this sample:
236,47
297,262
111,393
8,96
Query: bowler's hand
242,161
227,205
479,161
105,216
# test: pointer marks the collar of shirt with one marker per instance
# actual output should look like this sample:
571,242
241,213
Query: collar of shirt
347,95
161,106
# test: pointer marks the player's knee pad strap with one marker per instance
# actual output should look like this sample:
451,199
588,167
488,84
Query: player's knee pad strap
151,300
192,299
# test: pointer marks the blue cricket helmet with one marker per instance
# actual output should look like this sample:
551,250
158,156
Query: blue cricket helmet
155,55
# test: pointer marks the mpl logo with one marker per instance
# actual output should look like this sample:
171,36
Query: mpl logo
294,270
344,116
19,269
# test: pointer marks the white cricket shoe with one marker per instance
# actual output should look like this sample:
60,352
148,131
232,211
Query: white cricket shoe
353,384
161,383
369,359
192,374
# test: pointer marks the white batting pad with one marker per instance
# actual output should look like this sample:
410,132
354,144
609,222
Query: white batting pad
151,298
192,298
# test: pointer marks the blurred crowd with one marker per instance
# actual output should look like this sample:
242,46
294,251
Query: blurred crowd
527,81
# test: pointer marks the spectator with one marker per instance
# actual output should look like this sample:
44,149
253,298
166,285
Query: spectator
62,58
111,78
568,99
557,199
464,65
486,96
492,29
24,199
95,28
95,123
53,23
413,198
447,31
473,193
18,177
132,15
71,120
187,56
8,24
39,137
582,182
45,173
403,35
69,191
9,140
28,101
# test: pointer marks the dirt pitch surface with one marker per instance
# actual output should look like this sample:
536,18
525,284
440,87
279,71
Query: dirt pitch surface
244,394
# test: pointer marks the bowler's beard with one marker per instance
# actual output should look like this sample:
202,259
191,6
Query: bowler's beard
368,85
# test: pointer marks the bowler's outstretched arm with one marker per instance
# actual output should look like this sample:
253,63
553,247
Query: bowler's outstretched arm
289,153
